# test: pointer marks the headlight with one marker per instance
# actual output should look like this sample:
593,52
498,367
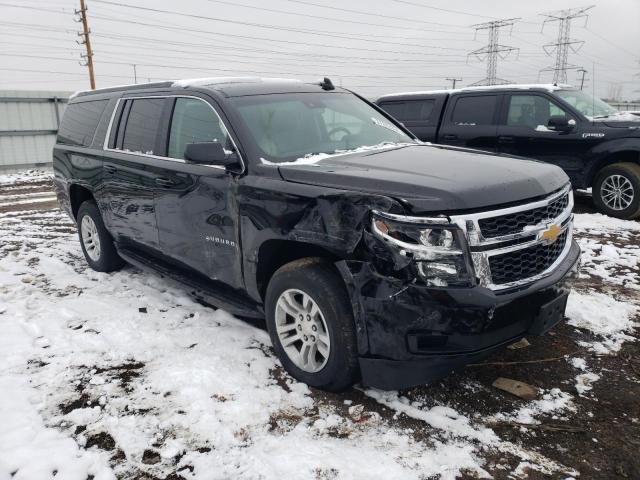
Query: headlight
436,246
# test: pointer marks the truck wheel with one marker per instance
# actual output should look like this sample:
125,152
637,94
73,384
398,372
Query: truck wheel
97,244
310,322
616,191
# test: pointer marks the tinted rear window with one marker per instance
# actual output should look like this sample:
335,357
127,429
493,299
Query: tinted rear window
142,125
474,110
79,122
410,110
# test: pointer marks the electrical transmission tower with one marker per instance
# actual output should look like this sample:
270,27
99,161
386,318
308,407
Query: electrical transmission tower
564,43
493,50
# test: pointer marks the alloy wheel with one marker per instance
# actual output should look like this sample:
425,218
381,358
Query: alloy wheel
302,330
617,192
90,238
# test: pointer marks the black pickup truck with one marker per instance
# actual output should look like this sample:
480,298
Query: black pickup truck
593,143
372,255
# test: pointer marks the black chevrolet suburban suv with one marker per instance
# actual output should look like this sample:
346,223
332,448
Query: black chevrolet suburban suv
372,256
596,145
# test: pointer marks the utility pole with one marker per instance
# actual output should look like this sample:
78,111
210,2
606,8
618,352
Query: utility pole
493,50
454,81
564,42
583,71
86,41
135,74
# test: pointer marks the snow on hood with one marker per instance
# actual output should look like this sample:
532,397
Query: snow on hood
617,117
313,158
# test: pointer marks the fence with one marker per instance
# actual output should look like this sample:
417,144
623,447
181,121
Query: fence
29,122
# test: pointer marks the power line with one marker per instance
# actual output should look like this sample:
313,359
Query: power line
493,50
457,12
386,17
564,43
321,33
332,19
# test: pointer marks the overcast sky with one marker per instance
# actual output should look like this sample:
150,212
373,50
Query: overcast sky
371,46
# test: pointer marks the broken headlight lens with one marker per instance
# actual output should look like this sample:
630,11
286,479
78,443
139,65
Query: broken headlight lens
436,247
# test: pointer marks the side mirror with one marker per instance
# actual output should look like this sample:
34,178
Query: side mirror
561,123
209,153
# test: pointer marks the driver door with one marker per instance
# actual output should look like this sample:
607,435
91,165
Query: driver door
196,205
523,131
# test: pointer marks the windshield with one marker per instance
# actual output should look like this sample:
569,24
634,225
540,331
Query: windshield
589,106
291,126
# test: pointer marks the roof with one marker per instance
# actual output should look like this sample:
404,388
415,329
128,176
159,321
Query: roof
228,86
532,86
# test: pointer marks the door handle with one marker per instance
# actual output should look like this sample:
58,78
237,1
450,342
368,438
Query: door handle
450,136
110,169
506,139
164,182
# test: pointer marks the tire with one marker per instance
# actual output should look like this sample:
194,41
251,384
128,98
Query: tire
627,177
96,242
333,367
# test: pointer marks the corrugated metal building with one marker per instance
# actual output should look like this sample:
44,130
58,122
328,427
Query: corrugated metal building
29,123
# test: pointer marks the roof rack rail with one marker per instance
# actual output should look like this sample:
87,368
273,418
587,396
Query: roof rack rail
119,88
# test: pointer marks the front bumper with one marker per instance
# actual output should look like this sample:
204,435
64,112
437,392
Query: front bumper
411,334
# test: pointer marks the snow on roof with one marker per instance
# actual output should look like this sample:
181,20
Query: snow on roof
545,86
195,82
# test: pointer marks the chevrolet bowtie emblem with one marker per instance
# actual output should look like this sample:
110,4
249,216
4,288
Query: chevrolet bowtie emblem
551,234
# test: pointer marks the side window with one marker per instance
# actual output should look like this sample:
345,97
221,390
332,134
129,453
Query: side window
419,110
476,110
80,121
410,110
142,125
194,121
395,109
531,111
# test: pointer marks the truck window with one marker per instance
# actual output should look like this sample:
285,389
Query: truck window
476,110
79,122
531,111
194,121
410,110
142,125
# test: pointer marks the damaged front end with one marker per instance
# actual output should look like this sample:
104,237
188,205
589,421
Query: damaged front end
423,303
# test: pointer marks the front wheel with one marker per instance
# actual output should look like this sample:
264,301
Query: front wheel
616,191
97,244
310,322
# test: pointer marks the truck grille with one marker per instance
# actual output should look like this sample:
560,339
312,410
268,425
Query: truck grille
515,245
527,262
515,222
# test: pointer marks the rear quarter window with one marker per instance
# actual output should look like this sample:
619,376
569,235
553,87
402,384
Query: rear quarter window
410,110
476,110
80,121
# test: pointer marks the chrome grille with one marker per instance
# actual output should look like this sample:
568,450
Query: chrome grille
514,246
526,262
516,222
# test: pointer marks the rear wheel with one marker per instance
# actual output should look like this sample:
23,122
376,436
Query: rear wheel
97,244
616,191
310,322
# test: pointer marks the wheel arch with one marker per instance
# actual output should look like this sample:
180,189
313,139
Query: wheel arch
77,195
621,156
276,253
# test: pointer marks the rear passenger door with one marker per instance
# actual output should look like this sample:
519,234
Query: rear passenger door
420,116
196,205
471,121
129,178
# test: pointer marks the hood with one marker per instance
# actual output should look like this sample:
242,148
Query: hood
433,178
619,120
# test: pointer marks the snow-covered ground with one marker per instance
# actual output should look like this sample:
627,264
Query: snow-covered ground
121,375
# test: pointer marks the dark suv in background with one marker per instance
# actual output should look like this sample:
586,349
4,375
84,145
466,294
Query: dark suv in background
373,256
596,145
